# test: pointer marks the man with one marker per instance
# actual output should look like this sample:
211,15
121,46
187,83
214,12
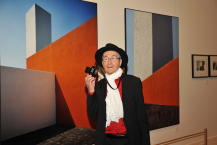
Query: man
120,113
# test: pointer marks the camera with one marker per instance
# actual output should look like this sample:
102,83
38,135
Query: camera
92,71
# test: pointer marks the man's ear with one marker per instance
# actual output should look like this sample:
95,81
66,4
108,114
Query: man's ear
120,62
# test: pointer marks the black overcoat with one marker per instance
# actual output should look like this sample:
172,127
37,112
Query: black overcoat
135,118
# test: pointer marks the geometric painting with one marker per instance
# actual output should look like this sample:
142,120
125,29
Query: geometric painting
152,46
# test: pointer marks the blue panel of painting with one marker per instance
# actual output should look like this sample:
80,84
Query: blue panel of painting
130,40
175,24
162,40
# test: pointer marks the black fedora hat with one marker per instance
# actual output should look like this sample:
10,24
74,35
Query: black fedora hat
111,47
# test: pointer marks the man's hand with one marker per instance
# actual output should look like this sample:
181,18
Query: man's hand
90,83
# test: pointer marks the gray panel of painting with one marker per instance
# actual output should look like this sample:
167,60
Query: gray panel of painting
130,40
43,28
142,44
162,40
175,25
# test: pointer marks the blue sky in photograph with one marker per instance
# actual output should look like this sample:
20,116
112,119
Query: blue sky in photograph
66,15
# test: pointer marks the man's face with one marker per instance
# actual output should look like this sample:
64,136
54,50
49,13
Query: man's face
111,66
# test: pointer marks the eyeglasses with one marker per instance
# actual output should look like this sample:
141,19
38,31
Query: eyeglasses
113,59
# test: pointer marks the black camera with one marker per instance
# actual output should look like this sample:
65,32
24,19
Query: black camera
92,71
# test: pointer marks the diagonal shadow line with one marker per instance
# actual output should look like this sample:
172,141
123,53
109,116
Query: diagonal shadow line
63,115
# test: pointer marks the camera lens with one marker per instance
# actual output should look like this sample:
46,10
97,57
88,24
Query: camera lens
87,70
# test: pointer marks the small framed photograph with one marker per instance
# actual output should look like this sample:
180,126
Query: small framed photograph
213,65
200,66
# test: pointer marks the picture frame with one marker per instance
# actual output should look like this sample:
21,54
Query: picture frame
200,66
213,66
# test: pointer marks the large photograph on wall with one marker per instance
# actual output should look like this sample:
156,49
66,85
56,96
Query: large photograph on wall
153,48
58,36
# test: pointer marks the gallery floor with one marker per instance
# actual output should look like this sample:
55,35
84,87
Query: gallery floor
54,135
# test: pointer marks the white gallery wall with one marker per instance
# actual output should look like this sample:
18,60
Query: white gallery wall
197,35
28,101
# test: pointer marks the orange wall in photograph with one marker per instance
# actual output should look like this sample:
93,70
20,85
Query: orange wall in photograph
67,58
